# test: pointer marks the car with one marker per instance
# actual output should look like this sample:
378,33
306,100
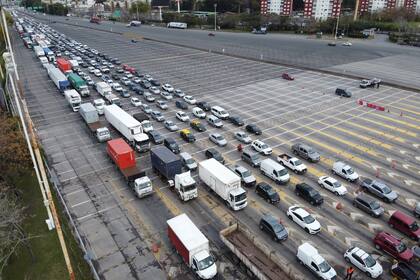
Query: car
124,93
332,44
344,92
369,83
347,44
179,93
305,151
135,101
91,69
204,105
119,70
267,192
187,135
405,224
215,121
181,104
197,125
236,120
247,179
273,227
305,220
219,112
309,194
138,90
242,137
145,83
156,115
368,205
146,108
261,147
287,76
199,113
168,88
403,271
166,95
89,81
170,125
253,128
182,116
379,189
155,137
363,261
393,246
213,153
345,171
149,97
331,184
155,82
218,139
171,144
148,77
188,161
189,99
97,73
251,157
154,90
162,104
117,87
136,80
125,81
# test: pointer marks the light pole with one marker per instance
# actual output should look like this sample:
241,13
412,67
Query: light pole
215,17
338,19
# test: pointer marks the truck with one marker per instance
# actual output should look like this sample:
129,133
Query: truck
258,257
125,159
143,118
49,54
113,99
74,64
103,88
64,65
369,83
39,51
58,78
128,127
91,118
224,182
192,245
73,98
78,84
169,166
294,164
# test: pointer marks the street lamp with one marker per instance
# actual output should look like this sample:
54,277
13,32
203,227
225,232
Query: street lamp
215,17
338,19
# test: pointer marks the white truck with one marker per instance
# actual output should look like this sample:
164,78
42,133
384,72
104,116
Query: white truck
73,98
309,257
128,127
91,118
294,164
74,64
192,245
223,182
103,88
39,51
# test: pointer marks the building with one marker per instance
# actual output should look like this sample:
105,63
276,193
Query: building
371,6
318,9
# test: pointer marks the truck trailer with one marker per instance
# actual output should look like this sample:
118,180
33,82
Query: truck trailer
192,245
91,118
128,127
125,159
64,65
78,84
58,78
73,98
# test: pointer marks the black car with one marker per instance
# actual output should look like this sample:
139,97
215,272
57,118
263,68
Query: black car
137,90
404,271
309,194
273,227
267,192
253,128
236,120
155,137
213,153
181,104
155,83
171,144
115,77
204,105
84,65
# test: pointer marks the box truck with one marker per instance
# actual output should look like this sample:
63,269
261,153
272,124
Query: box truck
64,65
78,84
192,245
38,51
58,78
169,166
125,159
224,182
128,127
103,88
91,118
73,98
143,118
74,64
49,54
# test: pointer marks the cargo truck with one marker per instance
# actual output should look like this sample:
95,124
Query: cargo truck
49,54
128,127
64,65
73,98
192,246
38,51
125,159
259,258
225,183
294,164
103,88
144,120
78,84
91,118
169,166
58,78
74,64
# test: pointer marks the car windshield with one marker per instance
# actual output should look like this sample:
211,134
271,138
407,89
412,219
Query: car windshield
369,261
298,162
246,174
240,197
375,205
313,193
401,247
282,172
336,184
386,189
264,146
414,226
189,161
219,137
309,219
205,263
278,228
324,267
350,171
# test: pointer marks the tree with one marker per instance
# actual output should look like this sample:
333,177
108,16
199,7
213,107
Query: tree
140,7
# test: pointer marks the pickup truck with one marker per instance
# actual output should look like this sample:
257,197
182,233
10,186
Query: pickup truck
292,163
306,152
369,83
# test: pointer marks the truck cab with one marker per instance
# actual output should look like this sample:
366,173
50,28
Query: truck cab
185,186
142,186
204,265
142,142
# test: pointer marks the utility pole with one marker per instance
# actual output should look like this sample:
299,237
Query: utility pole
356,10
338,19
179,6
137,10
215,17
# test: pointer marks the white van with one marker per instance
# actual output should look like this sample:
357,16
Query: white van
219,112
198,112
215,121
346,171
275,171
309,257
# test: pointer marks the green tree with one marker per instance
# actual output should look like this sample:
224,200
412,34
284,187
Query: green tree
140,7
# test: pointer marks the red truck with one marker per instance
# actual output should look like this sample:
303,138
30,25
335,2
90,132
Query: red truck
64,65
125,158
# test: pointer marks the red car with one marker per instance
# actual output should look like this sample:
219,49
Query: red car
130,69
393,246
286,76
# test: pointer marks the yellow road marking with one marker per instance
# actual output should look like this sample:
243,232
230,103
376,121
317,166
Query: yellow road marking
381,133
405,109
398,121
168,202
409,133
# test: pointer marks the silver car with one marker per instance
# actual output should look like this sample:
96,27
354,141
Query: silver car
162,104
149,97
146,108
242,137
218,139
379,189
157,116
170,125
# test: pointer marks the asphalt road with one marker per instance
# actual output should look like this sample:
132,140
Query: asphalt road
381,144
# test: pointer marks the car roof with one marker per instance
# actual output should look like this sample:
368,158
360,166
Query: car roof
270,219
403,217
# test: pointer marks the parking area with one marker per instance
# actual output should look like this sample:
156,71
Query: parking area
124,232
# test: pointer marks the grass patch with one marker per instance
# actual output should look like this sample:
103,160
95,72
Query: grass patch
48,262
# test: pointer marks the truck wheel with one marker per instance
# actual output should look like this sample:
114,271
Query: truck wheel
295,171
294,152
333,172
347,259
368,274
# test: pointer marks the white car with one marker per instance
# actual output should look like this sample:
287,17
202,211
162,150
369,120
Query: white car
347,44
189,99
243,137
129,75
146,108
363,261
162,104
218,139
166,95
135,101
99,105
137,80
149,97
179,93
332,185
91,69
261,147
182,116
117,87
199,113
168,88
97,73
305,220
154,90
125,81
